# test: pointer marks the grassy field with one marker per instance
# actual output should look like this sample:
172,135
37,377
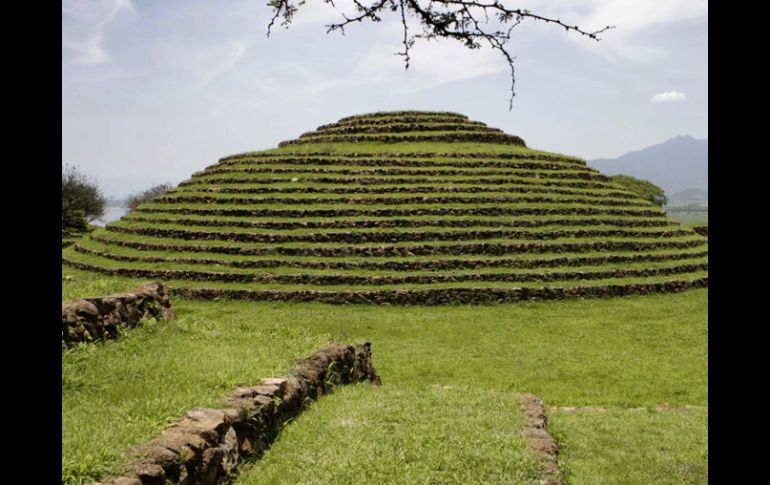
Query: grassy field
624,380
614,354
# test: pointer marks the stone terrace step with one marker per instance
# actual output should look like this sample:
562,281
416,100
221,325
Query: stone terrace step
436,199
480,137
415,114
397,127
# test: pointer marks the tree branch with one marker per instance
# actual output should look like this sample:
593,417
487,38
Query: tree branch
451,19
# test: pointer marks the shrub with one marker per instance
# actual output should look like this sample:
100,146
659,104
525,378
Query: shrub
134,200
645,189
81,199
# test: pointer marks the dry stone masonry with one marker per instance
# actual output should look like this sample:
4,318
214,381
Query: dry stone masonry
702,230
94,319
204,446
535,430
429,208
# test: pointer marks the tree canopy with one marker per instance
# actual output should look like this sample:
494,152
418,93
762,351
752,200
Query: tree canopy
646,189
134,200
473,23
81,199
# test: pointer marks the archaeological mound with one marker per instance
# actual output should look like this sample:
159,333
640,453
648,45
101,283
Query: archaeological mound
400,208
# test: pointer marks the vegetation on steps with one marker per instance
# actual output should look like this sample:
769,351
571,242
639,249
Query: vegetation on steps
396,186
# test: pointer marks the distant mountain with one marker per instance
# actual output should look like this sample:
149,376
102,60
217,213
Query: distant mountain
675,165
690,195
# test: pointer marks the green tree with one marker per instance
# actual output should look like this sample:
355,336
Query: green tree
81,199
134,200
645,189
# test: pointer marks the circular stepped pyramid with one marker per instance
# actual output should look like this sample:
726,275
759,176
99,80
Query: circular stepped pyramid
400,208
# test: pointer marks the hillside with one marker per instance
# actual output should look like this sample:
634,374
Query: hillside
689,195
675,165
405,208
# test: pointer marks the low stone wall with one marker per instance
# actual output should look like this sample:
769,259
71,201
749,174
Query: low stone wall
394,237
420,115
444,296
492,249
403,119
391,223
391,181
474,137
441,264
558,174
404,212
396,127
540,440
343,279
490,156
417,200
204,446
395,162
92,319
403,189
702,230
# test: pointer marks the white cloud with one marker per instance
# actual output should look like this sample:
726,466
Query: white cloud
221,59
84,32
632,19
432,64
629,16
669,97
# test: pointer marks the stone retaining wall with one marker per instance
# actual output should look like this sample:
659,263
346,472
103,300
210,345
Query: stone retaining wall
545,173
433,265
204,447
398,190
401,120
393,237
405,212
405,121
394,162
343,279
392,114
444,296
92,319
394,223
702,230
401,180
493,249
399,127
406,138
491,156
417,200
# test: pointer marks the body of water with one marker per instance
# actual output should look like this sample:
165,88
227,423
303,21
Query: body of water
110,214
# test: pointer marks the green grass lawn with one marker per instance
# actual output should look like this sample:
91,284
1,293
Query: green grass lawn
613,353
621,446
398,435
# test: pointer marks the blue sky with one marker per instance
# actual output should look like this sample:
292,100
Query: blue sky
154,91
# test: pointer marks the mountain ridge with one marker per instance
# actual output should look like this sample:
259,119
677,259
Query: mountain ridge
676,164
